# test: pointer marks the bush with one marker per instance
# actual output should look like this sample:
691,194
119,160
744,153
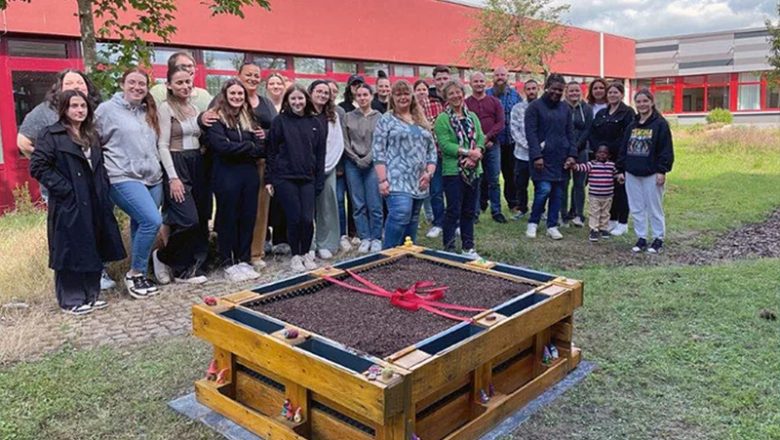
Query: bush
720,115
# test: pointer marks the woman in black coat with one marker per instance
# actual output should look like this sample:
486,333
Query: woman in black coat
82,229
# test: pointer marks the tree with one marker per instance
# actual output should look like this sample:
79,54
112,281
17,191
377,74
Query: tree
774,39
152,17
524,34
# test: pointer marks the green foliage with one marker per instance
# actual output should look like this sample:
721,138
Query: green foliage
719,116
774,38
524,34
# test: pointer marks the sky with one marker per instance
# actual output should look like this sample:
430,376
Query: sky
658,18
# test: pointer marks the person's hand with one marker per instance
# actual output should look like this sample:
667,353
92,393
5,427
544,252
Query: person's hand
569,164
489,145
384,188
425,180
475,154
270,189
621,178
660,179
177,190
468,163
260,133
539,164
209,117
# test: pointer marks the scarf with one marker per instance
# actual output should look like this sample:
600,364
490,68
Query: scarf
466,139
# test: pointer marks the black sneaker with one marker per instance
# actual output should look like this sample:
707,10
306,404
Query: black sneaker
594,235
656,247
605,234
499,218
81,310
140,287
640,246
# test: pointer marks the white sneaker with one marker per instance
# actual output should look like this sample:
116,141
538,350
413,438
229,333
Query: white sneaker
296,264
530,231
434,232
308,261
554,233
457,231
248,271
81,310
106,282
258,264
161,272
200,279
620,229
235,274
355,241
376,246
611,225
470,254
365,246
325,254
345,244
577,221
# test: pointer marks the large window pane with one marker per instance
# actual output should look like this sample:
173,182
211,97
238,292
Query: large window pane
268,62
161,54
772,96
403,70
222,60
642,84
664,100
309,65
717,97
39,49
372,69
214,83
719,78
749,97
30,90
344,67
748,77
425,71
693,100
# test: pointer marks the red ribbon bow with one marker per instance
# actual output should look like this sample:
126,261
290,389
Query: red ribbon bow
420,295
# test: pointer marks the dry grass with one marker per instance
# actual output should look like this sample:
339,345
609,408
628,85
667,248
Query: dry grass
18,328
24,274
730,139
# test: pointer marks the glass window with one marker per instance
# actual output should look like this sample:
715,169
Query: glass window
37,48
30,89
664,100
772,96
344,67
693,99
749,97
222,60
698,79
161,54
642,84
717,97
719,78
666,81
372,69
214,83
748,77
309,65
403,70
268,62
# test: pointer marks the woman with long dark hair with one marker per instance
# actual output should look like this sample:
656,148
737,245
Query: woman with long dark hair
82,230
234,179
609,128
129,125
296,170
187,197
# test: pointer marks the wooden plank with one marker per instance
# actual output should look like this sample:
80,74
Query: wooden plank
325,427
541,340
240,297
376,400
342,409
396,428
489,318
576,357
329,271
442,368
505,405
480,270
575,285
299,398
261,425
445,390
411,359
520,373
482,264
258,396
226,360
563,330
513,351
445,419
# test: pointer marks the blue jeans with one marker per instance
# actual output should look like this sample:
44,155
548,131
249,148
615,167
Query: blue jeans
491,167
437,196
403,212
460,211
366,201
142,204
544,190
341,193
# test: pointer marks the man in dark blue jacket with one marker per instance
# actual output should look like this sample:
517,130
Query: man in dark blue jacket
551,150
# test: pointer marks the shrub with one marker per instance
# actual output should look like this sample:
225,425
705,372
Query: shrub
719,115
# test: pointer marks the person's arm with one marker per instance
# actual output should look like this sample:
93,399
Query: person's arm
582,167
32,125
664,153
221,144
582,140
272,146
621,158
164,141
517,125
321,148
531,120
379,152
480,137
25,145
43,167
445,136
498,127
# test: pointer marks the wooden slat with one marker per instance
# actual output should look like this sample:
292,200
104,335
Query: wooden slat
225,359
409,360
480,270
325,427
446,419
299,397
445,390
562,331
575,285
240,297
509,380
523,345
258,396
541,340
377,401
261,425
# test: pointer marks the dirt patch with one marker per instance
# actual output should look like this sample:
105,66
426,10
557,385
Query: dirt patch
370,324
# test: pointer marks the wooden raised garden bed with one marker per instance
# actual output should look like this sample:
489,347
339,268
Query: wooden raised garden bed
309,358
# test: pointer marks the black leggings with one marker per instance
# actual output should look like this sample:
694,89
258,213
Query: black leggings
619,210
235,188
297,198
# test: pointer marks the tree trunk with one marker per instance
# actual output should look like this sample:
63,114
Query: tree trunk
88,41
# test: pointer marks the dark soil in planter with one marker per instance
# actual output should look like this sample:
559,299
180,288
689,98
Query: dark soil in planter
370,324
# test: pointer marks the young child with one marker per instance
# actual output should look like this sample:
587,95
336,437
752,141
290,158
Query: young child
601,176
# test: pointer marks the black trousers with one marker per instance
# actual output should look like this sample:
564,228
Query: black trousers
297,198
235,188
187,246
277,221
508,172
522,176
619,210
76,288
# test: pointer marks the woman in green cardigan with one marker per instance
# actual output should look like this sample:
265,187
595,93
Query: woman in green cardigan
462,143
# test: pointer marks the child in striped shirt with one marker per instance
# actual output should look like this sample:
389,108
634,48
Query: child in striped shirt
601,176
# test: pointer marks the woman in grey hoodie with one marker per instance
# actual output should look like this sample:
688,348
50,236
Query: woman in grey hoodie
361,176
128,127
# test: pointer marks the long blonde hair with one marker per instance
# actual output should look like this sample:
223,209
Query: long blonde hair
418,115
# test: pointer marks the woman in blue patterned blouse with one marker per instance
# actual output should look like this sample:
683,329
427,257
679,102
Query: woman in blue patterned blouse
405,160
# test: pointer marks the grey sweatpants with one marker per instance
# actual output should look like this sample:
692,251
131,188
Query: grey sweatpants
645,201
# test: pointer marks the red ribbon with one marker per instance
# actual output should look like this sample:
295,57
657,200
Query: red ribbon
420,295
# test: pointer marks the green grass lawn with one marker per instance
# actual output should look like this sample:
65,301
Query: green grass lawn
681,352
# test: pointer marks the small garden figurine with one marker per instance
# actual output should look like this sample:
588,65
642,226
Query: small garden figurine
483,397
211,373
286,408
297,418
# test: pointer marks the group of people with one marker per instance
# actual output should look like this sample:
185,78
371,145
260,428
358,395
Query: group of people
291,171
